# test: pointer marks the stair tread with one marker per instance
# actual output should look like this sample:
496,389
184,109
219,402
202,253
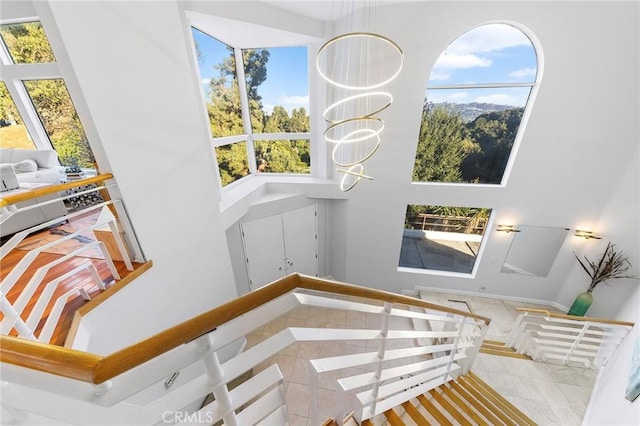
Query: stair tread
434,411
415,415
512,354
494,342
393,418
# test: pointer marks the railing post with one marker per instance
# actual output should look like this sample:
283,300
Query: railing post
576,342
10,314
313,385
454,349
473,353
215,374
384,332
513,334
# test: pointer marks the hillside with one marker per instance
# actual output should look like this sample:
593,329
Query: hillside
469,112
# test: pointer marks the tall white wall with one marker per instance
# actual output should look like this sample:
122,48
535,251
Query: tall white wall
619,300
133,66
579,141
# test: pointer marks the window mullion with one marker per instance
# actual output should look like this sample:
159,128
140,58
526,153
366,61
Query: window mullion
48,71
30,117
244,107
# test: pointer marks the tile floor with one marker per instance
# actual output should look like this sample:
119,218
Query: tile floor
549,394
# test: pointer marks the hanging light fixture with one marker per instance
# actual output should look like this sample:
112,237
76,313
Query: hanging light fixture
359,62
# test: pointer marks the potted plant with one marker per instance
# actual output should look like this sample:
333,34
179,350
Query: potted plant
611,264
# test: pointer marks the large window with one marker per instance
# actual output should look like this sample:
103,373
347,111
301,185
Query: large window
259,106
36,110
476,97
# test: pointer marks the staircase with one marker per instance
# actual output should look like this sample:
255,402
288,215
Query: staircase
47,266
465,401
496,347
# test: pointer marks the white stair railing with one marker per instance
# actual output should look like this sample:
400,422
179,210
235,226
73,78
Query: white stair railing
550,337
401,368
13,310
131,385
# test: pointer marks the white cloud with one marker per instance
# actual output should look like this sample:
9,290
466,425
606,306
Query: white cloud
474,48
437,96
294,100
497,98
449,60
489,38
267,108
205,81
439,75
524,72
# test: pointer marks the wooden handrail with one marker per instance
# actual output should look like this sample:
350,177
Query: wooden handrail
97,369
575,318
48,358
145,350
319,284
52,189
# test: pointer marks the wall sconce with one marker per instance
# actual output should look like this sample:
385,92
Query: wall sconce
587,235
507,228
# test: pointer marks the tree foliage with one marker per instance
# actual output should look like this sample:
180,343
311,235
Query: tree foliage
441,146
225,115
450,150
27,43
232,161
494,133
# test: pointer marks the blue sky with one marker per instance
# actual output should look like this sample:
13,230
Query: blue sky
287,73
495,53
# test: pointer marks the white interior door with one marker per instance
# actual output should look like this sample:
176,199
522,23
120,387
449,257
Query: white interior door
301,240
264,250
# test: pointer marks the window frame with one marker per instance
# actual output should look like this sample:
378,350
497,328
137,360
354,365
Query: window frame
14,75
248,136
533,89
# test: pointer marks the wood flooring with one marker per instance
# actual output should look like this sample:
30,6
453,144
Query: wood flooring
83,278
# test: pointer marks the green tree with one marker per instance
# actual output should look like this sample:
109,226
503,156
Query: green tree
278,121
494,134
28,43
232,162
442,145
8,111
299,121
225,115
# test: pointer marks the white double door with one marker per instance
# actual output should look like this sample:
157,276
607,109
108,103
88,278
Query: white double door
278,245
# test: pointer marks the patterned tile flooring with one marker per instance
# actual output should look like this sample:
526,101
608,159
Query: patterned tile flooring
549,394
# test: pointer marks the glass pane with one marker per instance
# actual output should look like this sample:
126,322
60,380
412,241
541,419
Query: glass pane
278,89
53,104
442,238
13,132
219,84
27,43
233,162
494,53
283,156
466,135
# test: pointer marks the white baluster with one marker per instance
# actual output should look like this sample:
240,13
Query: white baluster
216,375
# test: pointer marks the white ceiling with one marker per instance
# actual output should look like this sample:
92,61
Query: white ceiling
328,10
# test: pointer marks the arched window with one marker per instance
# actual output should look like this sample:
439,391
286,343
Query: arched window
477,94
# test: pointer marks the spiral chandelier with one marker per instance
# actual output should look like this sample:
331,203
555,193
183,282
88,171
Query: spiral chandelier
356,65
